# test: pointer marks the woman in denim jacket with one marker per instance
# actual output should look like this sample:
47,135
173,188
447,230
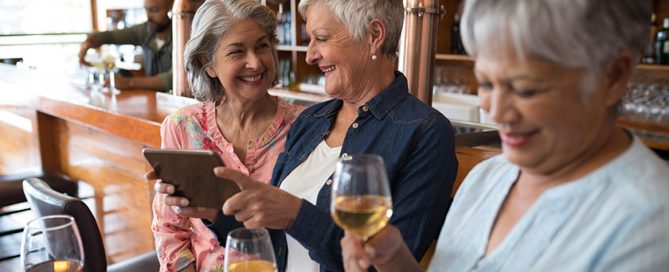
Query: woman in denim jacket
354,43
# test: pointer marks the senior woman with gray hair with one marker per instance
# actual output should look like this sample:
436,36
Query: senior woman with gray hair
231,63
354,43
571,191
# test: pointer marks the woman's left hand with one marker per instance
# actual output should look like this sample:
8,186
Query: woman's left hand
259,205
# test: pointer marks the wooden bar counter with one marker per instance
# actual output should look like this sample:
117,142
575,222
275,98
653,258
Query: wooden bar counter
48,122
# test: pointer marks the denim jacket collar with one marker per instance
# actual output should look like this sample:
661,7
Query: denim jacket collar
380,105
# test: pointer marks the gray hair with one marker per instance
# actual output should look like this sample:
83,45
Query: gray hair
356,16
572,33
212,22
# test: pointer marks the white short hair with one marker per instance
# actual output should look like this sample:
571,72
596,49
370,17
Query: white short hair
571,33
211,23
357,14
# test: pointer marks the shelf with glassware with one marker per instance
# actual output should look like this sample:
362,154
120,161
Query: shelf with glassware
453,68
297,79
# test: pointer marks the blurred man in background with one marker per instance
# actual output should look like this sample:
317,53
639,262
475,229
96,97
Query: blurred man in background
155,37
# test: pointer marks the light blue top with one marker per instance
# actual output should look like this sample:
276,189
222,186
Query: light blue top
614,219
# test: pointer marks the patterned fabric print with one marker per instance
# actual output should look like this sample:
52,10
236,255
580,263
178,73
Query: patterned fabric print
207,143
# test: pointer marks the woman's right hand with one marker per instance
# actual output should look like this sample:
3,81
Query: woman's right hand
386,251
180,204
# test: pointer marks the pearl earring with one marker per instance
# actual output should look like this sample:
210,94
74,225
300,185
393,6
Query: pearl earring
374,57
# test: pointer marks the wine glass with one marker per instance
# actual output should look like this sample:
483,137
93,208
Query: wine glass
52,243
249,250
361,201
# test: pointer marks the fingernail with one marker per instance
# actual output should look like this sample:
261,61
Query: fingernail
363,264
176,209
170,190
184,202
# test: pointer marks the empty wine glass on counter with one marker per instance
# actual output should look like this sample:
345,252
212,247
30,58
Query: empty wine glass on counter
249,250
361,200
52,243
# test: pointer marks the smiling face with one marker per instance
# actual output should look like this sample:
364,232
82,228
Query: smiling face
345,62
543,120
243,61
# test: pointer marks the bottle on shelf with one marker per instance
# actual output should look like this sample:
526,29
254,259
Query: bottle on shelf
649,55
279,20
287,31
456,41
286,74
662,43
304,35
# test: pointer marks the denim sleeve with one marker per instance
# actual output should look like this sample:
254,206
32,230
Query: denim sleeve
422,192
223,225
316,231
132,35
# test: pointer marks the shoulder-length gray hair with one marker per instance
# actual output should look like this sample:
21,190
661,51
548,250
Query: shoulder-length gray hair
572,33
356,16
212,22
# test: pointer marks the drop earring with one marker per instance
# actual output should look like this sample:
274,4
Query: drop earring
374,57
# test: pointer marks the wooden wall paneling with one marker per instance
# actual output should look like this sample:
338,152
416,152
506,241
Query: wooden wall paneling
658,74
48,134
468,157
18,147
298,26
94,14
445,25
118,124
115,168
661,11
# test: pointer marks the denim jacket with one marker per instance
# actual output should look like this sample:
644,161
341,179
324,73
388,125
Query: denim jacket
417,146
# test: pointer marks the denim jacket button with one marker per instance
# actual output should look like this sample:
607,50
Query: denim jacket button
345,156
329,182
355,125
365,108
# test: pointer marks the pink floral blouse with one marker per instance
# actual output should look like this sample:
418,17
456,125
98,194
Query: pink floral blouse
181,240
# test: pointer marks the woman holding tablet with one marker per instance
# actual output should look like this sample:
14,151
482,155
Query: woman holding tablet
231,63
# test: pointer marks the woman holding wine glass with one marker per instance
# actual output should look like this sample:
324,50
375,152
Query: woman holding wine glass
571,191
354,44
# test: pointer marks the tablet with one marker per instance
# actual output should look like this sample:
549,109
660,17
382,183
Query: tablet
192,174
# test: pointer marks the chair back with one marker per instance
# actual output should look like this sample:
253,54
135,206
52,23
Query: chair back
46,201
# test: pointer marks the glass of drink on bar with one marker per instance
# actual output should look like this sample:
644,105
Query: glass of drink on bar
249,250
52,243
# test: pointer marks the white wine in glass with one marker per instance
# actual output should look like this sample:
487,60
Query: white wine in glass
361,201
249,250
52,244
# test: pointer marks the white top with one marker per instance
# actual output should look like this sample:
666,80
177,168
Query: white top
305,181
614,219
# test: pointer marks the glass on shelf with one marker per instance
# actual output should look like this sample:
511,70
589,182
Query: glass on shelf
451,80
646,101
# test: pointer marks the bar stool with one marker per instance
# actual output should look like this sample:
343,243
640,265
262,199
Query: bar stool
11,193
11,190
45,201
